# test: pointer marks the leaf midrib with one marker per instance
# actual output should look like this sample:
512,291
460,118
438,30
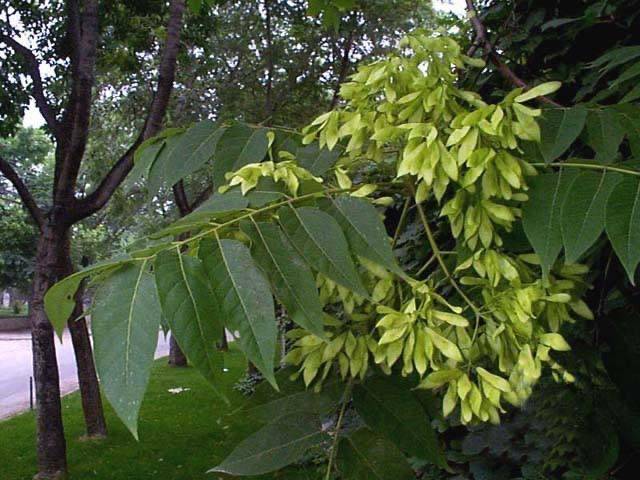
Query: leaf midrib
398,419
202,144
195,309
365,459
284,278
547,239
324,252
246,145
130,321
240,299
592,203
362,236
270,450
631,216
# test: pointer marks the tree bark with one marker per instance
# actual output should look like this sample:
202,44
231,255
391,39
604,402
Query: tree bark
223,346
87,378
51,446
177,357
71,134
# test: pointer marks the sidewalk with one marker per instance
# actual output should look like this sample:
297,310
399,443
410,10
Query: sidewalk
16,368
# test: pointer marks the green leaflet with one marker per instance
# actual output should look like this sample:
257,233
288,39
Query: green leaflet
157,170
274,446
559,127
125,322
363,455
184,154
541,215
143,160
191,311
291,277
239,145
266,404
216,206
629,116
388,407
364,230
319,239
623,223
583,211
317,160
194,148
244,298
59,300
632,95
604,133
266,191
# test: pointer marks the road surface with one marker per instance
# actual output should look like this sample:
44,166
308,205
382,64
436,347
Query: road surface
16,368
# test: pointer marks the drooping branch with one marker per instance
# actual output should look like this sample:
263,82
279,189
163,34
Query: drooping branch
37,93
25,195
483,39
99,197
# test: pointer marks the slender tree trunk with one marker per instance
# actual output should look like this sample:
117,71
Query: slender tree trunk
177,358
223,346
51,445
87,378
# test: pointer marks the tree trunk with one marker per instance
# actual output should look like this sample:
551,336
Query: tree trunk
51,446
177,357
223,346
87,377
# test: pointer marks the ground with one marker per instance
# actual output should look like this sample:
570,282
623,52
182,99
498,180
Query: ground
181,435
16,368
8,312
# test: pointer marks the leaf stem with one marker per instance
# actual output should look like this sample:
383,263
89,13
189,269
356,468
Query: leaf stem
402,221
334,445
273,206
438,255
590,166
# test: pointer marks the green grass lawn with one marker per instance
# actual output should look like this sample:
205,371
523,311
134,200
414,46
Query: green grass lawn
181,435
8,312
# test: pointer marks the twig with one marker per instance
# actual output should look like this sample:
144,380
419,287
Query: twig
436,252
505,71
401,221
334,445
590,166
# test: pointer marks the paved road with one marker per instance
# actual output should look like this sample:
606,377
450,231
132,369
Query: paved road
16,368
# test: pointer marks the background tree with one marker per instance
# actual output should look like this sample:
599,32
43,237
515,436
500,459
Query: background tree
67,37
30,150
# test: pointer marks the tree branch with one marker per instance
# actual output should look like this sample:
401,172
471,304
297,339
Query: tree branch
37,93
78,111
24,193
483,39
206,193
181,199
268,104
99,197
344,67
